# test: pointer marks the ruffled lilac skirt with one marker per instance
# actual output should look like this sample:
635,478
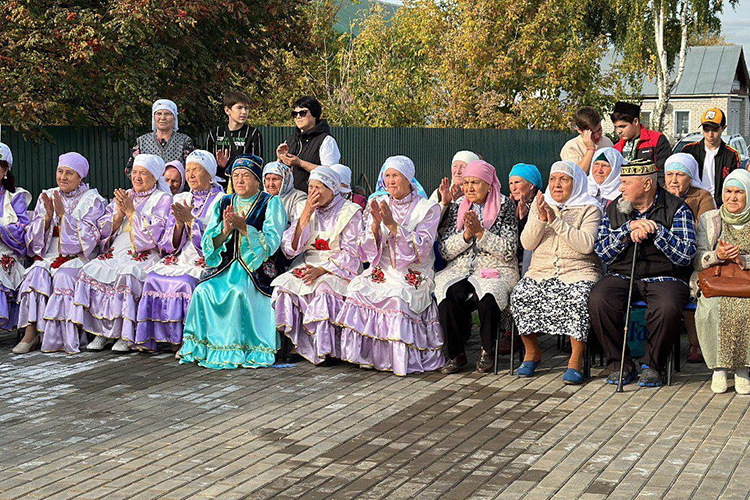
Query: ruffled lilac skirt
162,310
48,301
108,310
308,321
389,336
8,309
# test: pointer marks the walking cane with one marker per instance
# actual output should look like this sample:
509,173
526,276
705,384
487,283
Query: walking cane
627,318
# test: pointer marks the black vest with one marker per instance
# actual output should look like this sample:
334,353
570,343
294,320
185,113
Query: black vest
263,275
306,146
651,261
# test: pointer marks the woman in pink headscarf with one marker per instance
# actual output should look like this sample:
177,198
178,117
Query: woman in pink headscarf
62,236
478,241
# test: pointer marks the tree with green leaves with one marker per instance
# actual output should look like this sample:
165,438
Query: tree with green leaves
81,62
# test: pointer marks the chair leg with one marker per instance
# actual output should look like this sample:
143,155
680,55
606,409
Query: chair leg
670,366
497,348
512,347
586,361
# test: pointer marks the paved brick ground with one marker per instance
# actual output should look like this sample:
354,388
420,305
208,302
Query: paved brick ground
99,425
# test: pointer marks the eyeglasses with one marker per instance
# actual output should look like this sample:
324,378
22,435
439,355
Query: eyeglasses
301,113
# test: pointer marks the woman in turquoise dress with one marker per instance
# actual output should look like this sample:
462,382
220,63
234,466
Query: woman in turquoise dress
230,322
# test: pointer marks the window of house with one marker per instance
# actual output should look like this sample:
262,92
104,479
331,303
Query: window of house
646,119
681,123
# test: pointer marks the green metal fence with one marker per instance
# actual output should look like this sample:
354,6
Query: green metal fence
363,149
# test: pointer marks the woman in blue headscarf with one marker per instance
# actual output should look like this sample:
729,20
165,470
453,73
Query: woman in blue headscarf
230,322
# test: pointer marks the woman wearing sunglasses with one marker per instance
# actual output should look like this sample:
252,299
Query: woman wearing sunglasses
311,144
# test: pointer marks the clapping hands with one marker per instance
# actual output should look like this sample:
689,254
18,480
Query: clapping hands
381,213
545,212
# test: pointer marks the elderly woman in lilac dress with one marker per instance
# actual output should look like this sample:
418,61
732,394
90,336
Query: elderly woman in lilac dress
13,221
323,243
170,284
109,287
389,320
62,236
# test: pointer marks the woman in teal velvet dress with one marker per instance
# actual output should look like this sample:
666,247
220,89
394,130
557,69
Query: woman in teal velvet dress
230,322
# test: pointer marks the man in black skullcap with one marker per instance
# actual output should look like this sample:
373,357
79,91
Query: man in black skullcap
664,228
636,141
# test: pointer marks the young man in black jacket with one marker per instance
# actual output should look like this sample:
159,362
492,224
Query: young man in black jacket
715,158
235,137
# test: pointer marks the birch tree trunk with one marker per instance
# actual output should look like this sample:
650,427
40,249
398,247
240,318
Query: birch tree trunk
665,84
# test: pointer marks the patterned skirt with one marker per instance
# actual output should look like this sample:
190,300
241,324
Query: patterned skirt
552,306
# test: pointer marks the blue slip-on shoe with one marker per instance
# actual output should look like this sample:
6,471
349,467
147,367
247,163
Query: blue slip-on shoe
527,368
649,377
572,377
627,378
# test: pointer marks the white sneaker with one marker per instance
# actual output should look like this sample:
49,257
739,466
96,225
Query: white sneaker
98,344
719,381
121,346
742,381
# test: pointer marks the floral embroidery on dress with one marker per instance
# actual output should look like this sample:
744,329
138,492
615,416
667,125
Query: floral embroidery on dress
139,256
7,262
321,244
269,269
107,255
298,272
60,260
377,275
414,278
170,260
64,291
201,262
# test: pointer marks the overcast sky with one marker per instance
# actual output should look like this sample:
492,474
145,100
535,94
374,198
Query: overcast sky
735,24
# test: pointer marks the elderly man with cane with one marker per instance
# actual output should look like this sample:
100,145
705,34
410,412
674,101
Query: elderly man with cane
647,241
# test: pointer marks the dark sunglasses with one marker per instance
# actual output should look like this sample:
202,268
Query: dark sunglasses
301,113
711,128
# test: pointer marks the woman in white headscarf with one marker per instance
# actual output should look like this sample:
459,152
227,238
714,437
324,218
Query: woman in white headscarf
390,320
164,140
170,284
345,177
681,178
109,287
449,190
723,321
323,242
553,295
604,175
278,180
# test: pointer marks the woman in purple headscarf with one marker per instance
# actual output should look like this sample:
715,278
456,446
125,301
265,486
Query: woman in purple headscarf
174,174
389,320
170,284
109,287
62,236
13,221
323,243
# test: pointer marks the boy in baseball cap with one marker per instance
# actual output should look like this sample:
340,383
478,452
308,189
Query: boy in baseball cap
715,158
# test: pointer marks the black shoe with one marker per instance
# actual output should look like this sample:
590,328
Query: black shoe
485,363
649,377
454,365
